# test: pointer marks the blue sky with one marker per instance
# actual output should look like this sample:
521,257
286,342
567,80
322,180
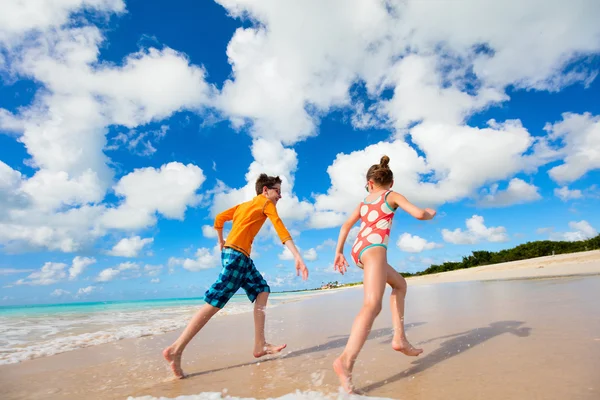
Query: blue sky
125,126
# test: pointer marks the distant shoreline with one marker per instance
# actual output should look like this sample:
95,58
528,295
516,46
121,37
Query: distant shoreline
500,266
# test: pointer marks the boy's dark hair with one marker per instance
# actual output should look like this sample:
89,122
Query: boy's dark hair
381,173
266,180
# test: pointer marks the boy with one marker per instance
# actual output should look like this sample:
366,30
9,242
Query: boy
239,270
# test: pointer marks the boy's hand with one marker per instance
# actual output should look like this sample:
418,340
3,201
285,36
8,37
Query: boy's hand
301,268
431,212
340,263
221,244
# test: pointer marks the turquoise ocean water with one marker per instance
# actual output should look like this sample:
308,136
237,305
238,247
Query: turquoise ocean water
32,331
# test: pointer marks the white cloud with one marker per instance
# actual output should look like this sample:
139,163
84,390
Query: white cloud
49,274
125,266
582,230
59,293
286,254
78,266
49,190
108,274
19,17
153,270
517,192
205,259
310,255
327,243
10,183
580,134
565,194
11,271
52,272
476,232
86,290
541,231
422,93
66,231
326,219
64,127
415,244
459,160
168,191
155,280
130,247
287,66
208,231
272,158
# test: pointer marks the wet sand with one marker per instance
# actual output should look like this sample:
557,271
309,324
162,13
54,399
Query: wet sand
484,339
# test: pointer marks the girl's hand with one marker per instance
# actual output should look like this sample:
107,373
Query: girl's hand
340,263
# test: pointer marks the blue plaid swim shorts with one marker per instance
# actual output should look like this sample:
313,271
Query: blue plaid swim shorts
238,272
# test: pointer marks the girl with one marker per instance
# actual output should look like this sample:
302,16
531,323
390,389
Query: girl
369,252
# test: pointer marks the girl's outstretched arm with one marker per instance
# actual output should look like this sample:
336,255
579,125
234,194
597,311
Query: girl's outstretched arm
340,263
397,200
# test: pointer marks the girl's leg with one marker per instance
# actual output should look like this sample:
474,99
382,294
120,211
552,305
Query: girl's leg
375,276
398,284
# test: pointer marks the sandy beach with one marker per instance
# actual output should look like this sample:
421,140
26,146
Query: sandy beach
488,333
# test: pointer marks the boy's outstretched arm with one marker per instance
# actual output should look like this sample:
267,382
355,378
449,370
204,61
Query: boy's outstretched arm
220,220
397,200
285,237
340,263
300,266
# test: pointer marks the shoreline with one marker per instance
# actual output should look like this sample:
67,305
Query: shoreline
461,329
525,267
563,265
550,267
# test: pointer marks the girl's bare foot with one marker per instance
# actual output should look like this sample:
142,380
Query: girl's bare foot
267,348
174,360
402,345
344,375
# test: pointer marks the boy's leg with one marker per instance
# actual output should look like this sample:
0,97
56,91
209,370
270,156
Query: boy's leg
258,291
173,353
261,347
216,297
398,284
375,263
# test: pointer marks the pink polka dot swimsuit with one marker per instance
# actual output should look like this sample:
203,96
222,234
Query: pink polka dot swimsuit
376,224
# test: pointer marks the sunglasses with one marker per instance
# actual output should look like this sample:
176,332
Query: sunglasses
275,189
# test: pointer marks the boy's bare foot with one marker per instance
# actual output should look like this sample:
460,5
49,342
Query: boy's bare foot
174,360
402,345
267,349
344,375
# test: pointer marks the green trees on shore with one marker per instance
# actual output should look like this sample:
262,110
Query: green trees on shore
522,252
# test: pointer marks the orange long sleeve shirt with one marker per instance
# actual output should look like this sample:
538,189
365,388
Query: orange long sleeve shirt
247,219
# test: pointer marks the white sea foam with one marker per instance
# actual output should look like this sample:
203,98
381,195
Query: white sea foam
40,332
298,395
30,337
